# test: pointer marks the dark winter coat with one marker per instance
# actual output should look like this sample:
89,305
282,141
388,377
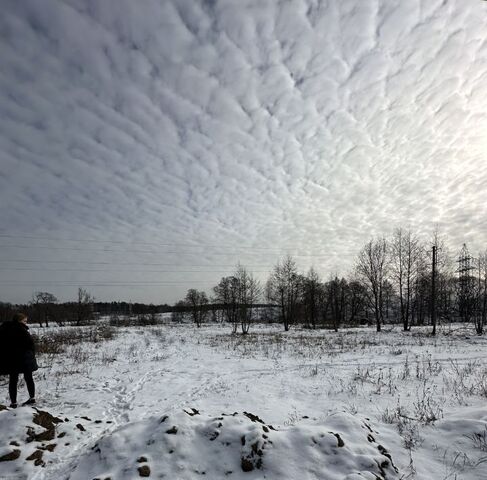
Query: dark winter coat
17,350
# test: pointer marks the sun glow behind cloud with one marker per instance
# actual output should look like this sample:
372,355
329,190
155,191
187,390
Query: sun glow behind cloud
298,126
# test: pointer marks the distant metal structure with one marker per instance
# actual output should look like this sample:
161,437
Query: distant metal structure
466,285
434,259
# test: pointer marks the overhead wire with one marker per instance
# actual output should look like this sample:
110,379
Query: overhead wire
155,244
105,250
89,262
258,251
81,283
120,242
281,251
16,269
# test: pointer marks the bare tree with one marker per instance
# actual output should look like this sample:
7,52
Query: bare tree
372,268
197,302
406,251
179,310
226,294
249,292
421,293
312,294
42,304
336,302
84,306
356,300
389,296
481,314
6,311
283,288
444,287
237,294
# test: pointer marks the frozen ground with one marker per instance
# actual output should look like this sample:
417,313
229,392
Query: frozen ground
177,402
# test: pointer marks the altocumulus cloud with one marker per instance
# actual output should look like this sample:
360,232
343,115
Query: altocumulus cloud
303,126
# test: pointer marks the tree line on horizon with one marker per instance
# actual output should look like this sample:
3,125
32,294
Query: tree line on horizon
394,280
45,308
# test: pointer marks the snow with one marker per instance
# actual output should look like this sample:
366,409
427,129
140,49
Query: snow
186,447
405,405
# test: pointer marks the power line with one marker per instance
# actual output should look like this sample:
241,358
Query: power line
106,250
100,284
155,244
16,269
119,242
88,262
12,264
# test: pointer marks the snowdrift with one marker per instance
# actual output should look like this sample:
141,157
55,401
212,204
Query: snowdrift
188,445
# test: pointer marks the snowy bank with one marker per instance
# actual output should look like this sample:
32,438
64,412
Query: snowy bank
189,445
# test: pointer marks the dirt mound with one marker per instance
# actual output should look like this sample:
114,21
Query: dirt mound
188,445
30,438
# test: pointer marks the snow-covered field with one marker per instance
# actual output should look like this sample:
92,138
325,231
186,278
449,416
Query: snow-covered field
177,402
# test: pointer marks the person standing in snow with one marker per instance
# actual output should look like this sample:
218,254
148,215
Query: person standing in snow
18,356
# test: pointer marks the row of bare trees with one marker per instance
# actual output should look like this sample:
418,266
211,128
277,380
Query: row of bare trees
235,298
238,294
45,308
423,282
308,300
393,281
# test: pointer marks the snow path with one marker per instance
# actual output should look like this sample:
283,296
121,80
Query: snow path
117,413
125,396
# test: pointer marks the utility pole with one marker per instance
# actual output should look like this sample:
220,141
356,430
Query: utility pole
433,291
479,321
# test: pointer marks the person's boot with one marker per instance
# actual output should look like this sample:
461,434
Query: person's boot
13,405
31,401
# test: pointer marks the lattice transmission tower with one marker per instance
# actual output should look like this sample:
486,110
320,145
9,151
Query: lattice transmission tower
466,285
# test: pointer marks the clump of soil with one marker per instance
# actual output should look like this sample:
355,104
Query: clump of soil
13,455
192,412
36,457
252,453
247,465
46,421
254,445
144,471
253,417
341,443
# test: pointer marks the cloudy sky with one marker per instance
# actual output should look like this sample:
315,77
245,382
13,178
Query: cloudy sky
146,147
